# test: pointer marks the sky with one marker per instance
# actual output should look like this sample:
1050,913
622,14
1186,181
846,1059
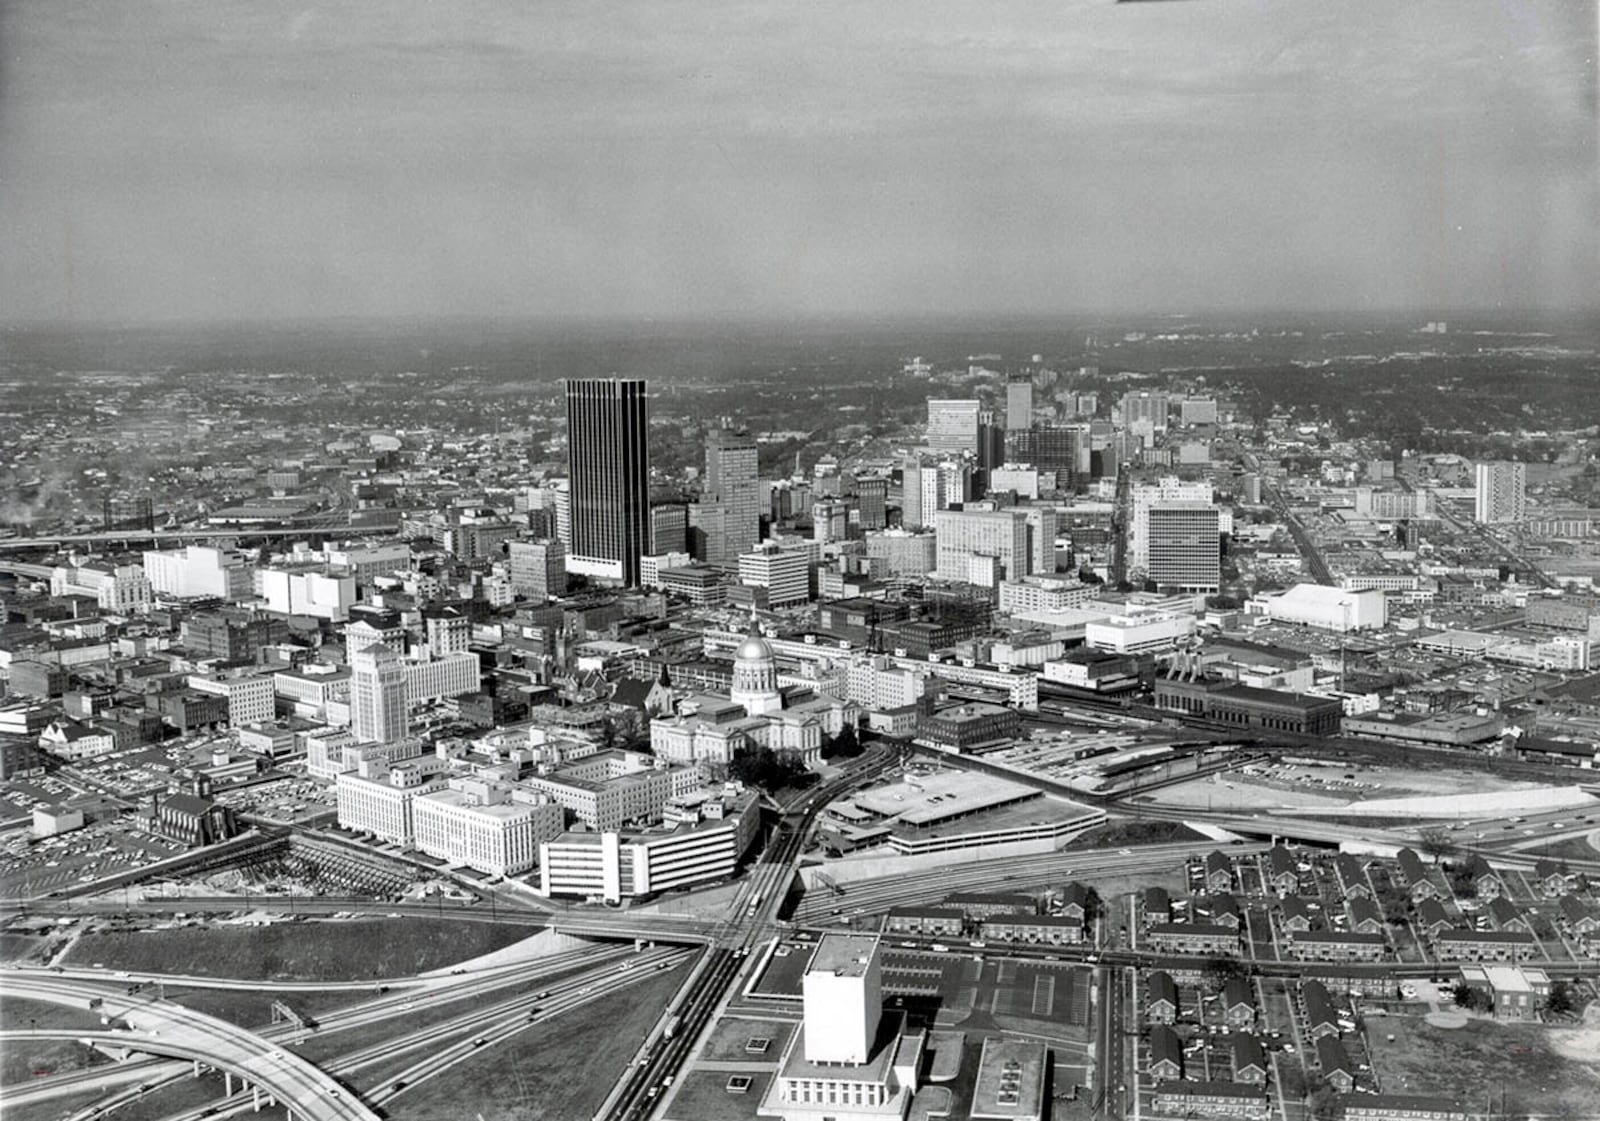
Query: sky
210,160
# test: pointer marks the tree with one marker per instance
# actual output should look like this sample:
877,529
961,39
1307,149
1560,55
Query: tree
1436,842
846,745
1473,1000
1560,1001
1219,970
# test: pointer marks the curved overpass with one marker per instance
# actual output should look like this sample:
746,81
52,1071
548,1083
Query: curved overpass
161,1028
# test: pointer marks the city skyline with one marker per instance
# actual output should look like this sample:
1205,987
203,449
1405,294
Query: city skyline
271,162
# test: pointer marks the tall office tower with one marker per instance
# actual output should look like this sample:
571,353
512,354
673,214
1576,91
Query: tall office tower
1019,402
708,533
1143,405
1185,546
991,452
830,519
377,695
911,494
1143,497
561,502
872,500
608,447
952,426
945,485
1042,529
669,528
731,480
538,568
999,537
1502,492
842,991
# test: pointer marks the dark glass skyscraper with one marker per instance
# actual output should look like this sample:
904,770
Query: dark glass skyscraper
608,450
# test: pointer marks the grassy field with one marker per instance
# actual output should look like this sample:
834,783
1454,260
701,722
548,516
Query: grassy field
329,951
19,1059
728,1040
703,1096
23,947
1124,833
553,1072
1482,1058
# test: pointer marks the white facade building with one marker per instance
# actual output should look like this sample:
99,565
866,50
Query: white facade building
377,695
198,572
491,827
314,593
1501,492
250,697
378,796
784,572
1138,634
121,588
998,534
1332,609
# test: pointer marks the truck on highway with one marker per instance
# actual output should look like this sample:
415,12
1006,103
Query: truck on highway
674,1022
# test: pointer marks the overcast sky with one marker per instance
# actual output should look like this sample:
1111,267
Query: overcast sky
216,160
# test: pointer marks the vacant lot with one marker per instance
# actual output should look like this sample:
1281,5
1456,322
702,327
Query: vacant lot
703,1096
727,1042
1480,1059
1115,834
326,951
551,1072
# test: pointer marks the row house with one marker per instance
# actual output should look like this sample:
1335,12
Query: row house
1503,915
1194,938
1249,1060
1352,875
1365,918
1400,1107
1296,913
1238,1003
1485,879
1551,879
1335,1064
1036,930
1337,945
1415,875
1220,909
1155,906
1166,1054
942,921
1161,998
1219,871
1321,1017
1483,945
1282,873
1431,918
1237,1101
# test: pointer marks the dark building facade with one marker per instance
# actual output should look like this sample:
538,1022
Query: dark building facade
609,464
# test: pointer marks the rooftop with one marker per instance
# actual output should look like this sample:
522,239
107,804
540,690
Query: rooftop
844,955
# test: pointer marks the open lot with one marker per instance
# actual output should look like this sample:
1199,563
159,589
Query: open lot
1276,785
732,1034
325,951
551,1072
1488,1058
704,1096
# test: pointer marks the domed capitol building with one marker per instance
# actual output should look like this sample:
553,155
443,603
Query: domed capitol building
705,727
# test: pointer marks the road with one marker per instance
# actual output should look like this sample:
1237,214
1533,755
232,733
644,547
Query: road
161,1027
396,998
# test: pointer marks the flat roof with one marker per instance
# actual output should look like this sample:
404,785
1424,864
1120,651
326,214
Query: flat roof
1010,1081
926,799
844,955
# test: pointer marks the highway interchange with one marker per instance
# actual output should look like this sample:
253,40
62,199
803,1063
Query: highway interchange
721,950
